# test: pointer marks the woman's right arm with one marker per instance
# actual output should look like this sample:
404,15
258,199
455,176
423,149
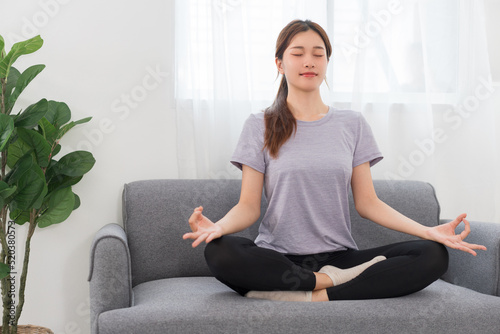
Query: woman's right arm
240,217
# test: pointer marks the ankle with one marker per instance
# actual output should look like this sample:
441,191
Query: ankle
319,296
323,281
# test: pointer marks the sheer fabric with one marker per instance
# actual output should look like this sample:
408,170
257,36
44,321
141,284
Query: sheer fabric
417,70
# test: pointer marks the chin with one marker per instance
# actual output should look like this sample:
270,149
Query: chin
308,89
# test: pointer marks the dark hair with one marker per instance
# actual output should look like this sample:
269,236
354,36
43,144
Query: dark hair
279,120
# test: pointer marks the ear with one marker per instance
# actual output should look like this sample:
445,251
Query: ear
279,66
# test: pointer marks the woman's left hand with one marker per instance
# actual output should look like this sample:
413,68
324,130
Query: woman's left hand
445,234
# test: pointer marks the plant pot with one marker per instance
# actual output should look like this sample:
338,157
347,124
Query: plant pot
31,329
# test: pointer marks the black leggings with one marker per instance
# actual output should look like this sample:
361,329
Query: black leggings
410,267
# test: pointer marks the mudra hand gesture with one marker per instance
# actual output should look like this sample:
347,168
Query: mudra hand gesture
446,235
203,228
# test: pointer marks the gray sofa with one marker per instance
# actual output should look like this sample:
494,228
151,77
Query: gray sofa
145,279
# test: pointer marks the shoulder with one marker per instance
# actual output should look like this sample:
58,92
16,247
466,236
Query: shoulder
348,115
257,117
254,127
255,121
349,118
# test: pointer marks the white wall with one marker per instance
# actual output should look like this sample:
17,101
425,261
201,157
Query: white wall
97,53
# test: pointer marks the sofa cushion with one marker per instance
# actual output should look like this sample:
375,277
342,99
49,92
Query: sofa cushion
204,305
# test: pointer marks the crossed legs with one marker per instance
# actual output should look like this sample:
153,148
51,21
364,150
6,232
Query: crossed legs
407,267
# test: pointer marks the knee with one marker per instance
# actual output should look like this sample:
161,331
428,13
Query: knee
221,253
436,255
214,251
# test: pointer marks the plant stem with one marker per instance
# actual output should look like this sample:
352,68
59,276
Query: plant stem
24,274
3,83
6,282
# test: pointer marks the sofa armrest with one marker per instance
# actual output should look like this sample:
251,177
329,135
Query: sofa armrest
110,274
482,272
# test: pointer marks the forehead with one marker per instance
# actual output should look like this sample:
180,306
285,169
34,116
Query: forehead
307,39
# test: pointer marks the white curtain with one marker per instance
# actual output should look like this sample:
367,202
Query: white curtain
225,71
417,70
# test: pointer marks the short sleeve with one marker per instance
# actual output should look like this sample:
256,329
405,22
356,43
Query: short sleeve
249,150
366,146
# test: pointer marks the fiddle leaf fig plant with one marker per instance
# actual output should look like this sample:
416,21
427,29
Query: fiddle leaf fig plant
35,186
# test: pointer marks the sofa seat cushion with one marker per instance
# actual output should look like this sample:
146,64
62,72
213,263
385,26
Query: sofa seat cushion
204,305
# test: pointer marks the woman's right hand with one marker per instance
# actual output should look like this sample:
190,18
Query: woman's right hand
203,229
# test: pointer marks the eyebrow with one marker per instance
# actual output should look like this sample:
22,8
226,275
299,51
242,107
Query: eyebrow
301,47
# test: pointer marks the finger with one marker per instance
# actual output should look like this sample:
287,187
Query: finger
195,217
198,210
211,237
466,247
473,246
193,235
200,239
458,220
466,231
456,245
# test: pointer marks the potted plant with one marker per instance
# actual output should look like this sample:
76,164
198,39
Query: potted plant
35,188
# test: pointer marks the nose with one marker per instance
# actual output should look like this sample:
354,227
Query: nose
309,62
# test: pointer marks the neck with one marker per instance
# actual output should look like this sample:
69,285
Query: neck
306,106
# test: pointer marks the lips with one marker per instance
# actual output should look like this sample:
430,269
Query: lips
308,74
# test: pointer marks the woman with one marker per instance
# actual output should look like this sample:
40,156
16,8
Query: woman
307,154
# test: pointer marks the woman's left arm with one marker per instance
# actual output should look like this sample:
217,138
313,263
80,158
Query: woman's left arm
369,206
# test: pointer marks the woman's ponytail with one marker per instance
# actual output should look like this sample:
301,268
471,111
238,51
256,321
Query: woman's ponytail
279,120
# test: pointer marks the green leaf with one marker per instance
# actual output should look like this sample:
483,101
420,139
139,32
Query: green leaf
58,114
39,201
62,181
22,165
20,217
11,85
71,125
24,79
74,164
6,128
5,193
4,270
6,190
56,150
30,116
61,204
21,48
77,202
17,149
3,185
48,130
30,187
2,48
37,142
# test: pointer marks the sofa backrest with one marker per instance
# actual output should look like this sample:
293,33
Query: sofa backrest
414,199
156,214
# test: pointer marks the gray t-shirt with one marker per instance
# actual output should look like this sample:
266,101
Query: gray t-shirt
307,186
